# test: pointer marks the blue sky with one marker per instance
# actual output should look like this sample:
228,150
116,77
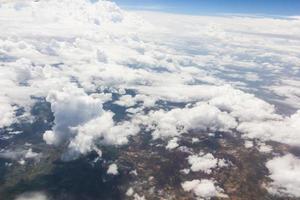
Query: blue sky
266,7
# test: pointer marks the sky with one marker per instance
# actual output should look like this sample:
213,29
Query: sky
198,7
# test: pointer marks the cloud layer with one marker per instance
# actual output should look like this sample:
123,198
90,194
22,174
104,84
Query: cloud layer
223,73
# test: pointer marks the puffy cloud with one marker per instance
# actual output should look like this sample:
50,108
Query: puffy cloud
244,106
195,140
289,90
284,131
51,138
32,196
248,144
101,129
81,121
138,197
7,114
20,154
201,116
112,169
129,192
204,162
172,144
30,154
264,148
285,173
126,100
71,108
129,101
203,188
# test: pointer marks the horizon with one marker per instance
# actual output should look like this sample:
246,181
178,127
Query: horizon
216,7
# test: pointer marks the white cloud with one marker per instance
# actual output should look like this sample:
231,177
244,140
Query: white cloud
201,116
289,90
195,140
248,144
101,129
129,192
7,114
20,154
172,144
264,148
239,104
30,154
81,121
284,131
126,100
203,188
285,173
204,162
138,197
129,101
71,108
112,169
32,196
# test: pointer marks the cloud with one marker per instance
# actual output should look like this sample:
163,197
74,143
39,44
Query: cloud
288,90
284,131
32,196
201,116
204,188
100,130
126,100
80,121
138,197
71,108
172,144
112,169
20,155
204,162
7,114
129,192
129,101
285,173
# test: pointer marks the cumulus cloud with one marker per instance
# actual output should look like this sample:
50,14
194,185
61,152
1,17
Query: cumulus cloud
129,192
126,100
80,120
102,130
112,169
285,173
248,144
225,97
172,144
204,188
71,108
7,114
201,116
284,131
129,101
204,162
138,197
32,196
